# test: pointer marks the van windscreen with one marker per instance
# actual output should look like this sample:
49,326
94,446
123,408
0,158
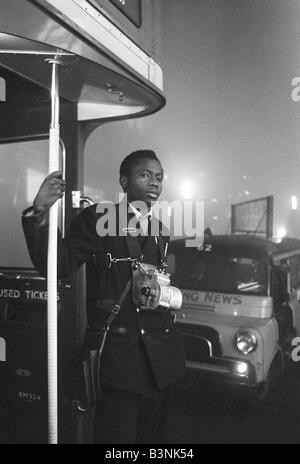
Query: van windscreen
225,273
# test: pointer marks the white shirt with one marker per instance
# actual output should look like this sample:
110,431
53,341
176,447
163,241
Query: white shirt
143,219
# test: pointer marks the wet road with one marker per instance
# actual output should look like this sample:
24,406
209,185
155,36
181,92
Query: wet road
212,416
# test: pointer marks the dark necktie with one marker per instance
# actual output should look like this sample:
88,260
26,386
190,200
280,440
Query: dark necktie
143,228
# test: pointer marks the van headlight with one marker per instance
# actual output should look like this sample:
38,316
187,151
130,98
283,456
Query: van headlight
245,341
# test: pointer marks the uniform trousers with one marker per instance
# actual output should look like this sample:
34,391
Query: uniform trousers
124,417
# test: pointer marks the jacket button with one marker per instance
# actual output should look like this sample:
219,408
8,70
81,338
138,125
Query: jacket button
137,310
167,331
142,331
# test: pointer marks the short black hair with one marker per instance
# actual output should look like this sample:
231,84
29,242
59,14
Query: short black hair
133,158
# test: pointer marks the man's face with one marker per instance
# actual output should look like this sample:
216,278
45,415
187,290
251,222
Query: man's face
144,182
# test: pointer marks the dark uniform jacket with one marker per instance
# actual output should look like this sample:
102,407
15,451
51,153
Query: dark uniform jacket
144,351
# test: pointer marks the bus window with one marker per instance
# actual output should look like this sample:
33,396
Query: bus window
24,166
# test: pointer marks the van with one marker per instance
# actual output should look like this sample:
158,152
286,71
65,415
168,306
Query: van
240,310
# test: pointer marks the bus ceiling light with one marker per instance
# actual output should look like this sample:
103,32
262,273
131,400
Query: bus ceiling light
245,342
113,89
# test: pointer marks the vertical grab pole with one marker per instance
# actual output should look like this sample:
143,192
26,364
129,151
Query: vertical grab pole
63,200
52,263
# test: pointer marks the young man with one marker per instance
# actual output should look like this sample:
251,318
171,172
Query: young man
143,354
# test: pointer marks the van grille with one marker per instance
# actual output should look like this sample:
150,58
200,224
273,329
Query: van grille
200,342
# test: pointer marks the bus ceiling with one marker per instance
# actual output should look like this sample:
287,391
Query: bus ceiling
104,75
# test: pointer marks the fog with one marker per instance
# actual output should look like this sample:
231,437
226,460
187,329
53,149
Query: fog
231,123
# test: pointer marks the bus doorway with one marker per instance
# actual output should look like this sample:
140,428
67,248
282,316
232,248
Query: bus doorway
99,82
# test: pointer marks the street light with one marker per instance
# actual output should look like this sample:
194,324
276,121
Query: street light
186,190
281,232
294,202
